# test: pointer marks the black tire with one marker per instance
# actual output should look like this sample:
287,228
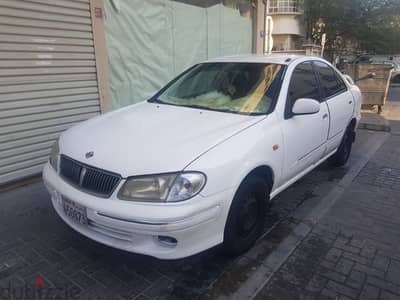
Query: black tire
342,155
247,216
396,79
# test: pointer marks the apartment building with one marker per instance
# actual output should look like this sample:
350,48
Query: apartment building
288,30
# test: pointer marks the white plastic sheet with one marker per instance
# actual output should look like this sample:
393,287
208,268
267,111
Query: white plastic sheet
149,42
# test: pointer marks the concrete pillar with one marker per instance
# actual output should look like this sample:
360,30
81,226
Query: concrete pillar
260,27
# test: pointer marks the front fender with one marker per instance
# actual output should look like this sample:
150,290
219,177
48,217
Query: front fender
230,162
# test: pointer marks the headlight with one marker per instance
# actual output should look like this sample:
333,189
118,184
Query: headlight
163,188
54,155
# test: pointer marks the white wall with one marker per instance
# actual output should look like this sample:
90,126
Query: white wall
287,24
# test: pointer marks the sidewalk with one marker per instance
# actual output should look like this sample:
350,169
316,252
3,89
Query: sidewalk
351,248
353,251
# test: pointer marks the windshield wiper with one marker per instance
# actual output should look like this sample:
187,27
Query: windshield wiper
154,100
225,110
207,108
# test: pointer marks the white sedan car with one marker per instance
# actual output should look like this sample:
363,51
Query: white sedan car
197,164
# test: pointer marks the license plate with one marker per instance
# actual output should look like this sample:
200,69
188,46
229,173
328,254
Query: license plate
75,211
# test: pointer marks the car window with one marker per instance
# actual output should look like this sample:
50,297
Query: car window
331,83
303,84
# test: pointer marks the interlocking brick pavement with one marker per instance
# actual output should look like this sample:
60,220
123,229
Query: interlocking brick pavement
346,253
35,243
353,252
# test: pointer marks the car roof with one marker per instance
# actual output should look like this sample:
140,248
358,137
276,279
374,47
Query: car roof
283,59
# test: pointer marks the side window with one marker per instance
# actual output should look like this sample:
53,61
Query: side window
303,84
331,83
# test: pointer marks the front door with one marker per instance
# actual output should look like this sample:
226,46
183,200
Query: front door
304,136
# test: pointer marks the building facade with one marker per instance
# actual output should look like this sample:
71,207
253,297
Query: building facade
65,61
288,30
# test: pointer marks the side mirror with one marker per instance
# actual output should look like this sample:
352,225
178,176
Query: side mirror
306,106
349,79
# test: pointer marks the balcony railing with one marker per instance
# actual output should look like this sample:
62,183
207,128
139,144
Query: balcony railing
283,6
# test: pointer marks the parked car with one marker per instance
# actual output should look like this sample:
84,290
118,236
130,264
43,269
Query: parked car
395,78
197,164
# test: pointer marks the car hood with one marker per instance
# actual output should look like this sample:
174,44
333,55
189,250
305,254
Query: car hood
149,138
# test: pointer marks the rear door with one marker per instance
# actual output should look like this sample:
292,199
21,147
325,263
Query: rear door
339,100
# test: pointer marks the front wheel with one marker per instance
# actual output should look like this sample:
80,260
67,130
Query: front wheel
342,155
247,215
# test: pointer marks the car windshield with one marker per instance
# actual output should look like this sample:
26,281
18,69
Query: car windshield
244,88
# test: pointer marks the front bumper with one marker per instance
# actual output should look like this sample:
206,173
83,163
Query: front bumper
196,224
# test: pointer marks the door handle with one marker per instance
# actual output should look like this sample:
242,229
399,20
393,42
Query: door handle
324,116
350,102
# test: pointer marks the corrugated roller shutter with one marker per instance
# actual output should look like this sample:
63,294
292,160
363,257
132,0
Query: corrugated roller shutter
48,79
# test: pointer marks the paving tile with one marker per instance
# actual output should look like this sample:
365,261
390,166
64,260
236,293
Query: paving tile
317,284
334,255
344,266
348,248
356,279
162,286
83,280
333,275
383,284
393,273
359,243
328,264
328,294
369,270
381,263
356,258
369,293
342,289
385,295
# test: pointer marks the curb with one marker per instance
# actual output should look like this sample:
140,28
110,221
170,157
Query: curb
20,183
271,264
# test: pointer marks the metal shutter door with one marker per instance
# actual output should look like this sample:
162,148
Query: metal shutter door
48,79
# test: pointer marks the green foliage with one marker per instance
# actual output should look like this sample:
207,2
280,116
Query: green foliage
371,26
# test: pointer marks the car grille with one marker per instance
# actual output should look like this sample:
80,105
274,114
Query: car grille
87,178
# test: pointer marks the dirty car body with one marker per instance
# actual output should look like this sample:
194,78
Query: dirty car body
195,165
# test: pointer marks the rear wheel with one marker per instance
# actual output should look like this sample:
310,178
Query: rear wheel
342,155
247,215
